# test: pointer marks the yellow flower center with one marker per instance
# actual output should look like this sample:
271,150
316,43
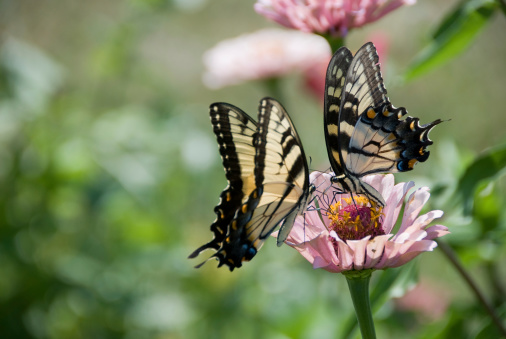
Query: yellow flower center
357,218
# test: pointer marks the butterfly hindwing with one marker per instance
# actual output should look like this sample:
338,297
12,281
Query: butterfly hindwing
234,132
382,142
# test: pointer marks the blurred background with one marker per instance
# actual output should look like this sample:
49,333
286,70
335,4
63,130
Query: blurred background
109,173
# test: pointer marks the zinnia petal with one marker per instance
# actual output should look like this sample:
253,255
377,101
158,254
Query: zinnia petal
326,16
359,249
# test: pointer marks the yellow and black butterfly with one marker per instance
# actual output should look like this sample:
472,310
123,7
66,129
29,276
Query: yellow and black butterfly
364,132
268,180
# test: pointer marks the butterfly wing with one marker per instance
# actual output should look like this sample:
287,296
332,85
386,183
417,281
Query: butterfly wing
334,84
382,142
282,186
234,132
352,83
384,139
280,150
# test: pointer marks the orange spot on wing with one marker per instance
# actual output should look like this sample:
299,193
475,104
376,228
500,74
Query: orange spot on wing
412,163
371,114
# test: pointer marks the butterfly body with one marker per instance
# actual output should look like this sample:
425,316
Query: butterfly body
364,132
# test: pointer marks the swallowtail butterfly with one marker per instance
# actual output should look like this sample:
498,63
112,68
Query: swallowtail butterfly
268,180
364,132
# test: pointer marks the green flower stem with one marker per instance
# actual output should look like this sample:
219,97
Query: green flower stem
335,43
358,283
273,87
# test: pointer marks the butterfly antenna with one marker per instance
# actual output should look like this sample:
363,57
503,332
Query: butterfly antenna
309,207
304,228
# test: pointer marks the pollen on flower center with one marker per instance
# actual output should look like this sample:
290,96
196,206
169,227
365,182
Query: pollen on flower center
354,219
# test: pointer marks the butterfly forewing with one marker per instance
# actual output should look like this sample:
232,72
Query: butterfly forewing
278,150
364,84
335,78
363,88
282,168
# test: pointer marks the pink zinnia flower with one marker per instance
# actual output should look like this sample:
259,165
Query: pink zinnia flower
314,79
335,17
427,299
264,54
339,233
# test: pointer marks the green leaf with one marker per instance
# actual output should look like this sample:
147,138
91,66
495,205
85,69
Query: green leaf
488,206
449,20
453,36
489,329
486,167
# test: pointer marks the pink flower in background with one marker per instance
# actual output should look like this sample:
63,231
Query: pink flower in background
381,41
427,299
335,17
356,236
264,54
314,78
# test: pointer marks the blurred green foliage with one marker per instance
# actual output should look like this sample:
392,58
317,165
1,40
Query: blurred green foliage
454,35
109,173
